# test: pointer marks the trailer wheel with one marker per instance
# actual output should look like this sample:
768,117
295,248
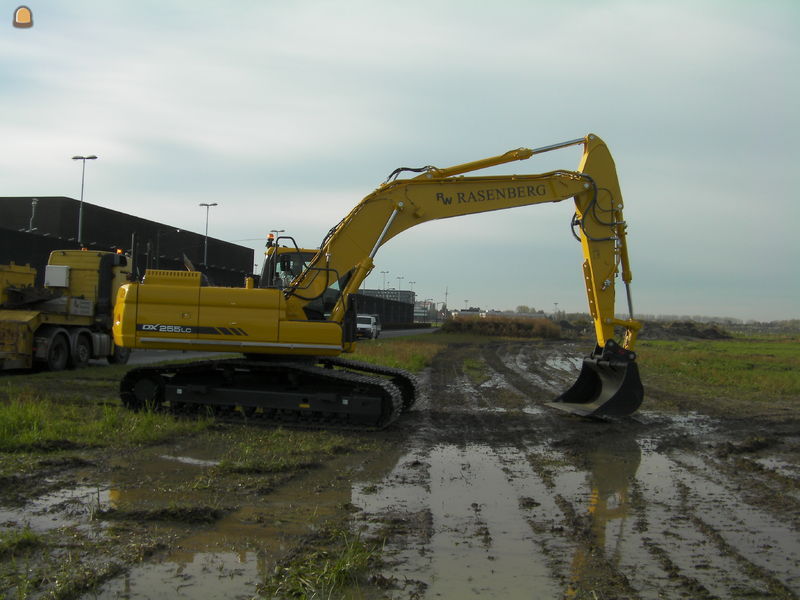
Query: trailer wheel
57,354
81,353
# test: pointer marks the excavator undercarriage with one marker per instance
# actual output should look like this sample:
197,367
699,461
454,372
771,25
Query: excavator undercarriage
331,393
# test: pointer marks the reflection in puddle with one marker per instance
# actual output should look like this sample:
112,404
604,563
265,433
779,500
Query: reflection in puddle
194,575
612,466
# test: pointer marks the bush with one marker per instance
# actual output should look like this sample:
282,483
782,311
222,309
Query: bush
504,326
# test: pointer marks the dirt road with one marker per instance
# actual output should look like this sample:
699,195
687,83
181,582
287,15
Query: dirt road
496,497
478,492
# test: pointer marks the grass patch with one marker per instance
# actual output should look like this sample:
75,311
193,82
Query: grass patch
476,370
762,371
30,421
286,450
325,568
18,541
180,514
412,353
760,367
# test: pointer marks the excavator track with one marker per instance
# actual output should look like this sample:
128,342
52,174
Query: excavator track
294,393
405,381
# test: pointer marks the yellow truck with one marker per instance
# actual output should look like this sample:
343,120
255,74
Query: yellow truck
67,321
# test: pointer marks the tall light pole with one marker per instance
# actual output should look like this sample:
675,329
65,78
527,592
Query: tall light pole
34,202
83,159
384,273
205,245
399,279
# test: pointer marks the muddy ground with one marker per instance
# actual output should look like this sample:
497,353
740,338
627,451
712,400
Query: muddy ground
478,492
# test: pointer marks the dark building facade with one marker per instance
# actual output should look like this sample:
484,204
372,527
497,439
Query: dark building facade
30,230
393,313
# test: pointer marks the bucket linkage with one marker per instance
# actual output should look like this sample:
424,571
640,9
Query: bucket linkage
608,385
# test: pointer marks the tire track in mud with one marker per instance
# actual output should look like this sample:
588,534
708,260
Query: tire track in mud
516,501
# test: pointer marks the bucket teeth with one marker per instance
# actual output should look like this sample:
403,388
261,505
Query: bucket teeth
608,385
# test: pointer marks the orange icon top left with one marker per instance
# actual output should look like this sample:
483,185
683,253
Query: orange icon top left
23,17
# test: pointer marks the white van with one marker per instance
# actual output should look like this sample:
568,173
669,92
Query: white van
368,326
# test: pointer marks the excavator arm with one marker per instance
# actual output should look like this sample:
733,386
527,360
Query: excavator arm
609,382
347,253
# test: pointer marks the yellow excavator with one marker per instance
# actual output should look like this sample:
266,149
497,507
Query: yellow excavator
292,333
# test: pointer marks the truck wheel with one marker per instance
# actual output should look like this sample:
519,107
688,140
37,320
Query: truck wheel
81,353
120,356
57,354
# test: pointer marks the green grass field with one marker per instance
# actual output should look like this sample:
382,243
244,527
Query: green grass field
71,410
412,353
751,369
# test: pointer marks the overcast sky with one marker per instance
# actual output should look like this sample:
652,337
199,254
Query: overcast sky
288,113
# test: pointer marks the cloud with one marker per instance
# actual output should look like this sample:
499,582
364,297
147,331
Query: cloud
287,114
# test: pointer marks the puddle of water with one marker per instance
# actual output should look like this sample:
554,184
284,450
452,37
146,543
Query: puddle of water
503,526
478,544
570,364
753,533
496,381
204,564
189,460
195,575
62,508
780,466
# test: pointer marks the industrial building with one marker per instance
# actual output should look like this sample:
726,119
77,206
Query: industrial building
394,307
30,228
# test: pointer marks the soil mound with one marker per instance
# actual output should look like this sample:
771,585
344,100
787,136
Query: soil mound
682,330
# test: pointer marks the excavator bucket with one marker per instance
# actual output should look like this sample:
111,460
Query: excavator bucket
608,385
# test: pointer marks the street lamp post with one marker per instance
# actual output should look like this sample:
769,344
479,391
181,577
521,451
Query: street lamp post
205,244
83,159
399,279
384,278
34,202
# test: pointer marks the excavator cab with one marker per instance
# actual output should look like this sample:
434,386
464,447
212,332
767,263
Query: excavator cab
608,385
283,263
